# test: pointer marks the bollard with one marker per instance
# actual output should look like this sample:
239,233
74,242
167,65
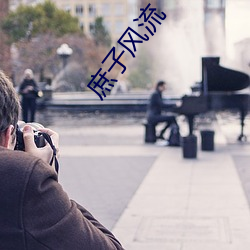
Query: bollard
207,140
150,134
189,146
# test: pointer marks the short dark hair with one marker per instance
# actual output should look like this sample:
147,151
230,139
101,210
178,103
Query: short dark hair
159,84
9,104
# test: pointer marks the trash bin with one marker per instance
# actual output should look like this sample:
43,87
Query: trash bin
189,146
150,133
207,140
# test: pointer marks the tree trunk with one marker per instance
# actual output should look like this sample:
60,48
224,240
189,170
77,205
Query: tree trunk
5,58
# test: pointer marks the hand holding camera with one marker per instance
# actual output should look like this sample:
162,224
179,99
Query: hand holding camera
38,137
41,142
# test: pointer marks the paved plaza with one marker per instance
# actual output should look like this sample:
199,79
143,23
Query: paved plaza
152,198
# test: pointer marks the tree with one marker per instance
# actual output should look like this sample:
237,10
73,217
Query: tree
141,73
5,63
50,27
42,18
40,55
100,34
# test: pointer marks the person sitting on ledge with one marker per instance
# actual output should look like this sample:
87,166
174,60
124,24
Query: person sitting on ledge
154,110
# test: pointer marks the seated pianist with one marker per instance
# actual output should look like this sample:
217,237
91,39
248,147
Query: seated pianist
155,107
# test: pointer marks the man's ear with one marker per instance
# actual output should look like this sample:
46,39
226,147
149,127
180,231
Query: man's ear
7,140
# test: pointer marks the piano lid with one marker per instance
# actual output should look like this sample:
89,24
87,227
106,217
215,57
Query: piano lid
218,78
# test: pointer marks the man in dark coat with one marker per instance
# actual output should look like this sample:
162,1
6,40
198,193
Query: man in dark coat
154,109
35,212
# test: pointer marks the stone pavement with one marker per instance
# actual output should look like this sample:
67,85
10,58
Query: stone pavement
184,204
189,204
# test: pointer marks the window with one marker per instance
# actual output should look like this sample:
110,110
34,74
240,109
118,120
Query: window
170,4
105,9
82,26
79,10
119,27
214,4
119,9
107,25
91,27
92,10
67,8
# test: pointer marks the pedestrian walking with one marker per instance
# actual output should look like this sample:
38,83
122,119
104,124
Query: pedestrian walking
29,92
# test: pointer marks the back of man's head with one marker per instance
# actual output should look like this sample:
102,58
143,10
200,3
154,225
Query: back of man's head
160,84
9,104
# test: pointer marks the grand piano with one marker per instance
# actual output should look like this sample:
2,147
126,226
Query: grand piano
220,89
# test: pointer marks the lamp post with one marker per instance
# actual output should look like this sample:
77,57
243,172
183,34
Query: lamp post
64,51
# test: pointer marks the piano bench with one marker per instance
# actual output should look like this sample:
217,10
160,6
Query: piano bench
150,132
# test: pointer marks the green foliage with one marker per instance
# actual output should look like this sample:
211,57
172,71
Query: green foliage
100,33
42,18
141,75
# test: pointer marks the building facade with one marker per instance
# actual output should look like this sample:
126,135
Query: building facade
117,14
15,3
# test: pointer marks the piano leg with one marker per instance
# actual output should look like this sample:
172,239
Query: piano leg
190,123
243,114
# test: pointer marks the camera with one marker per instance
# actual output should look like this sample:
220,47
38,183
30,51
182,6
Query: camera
38,137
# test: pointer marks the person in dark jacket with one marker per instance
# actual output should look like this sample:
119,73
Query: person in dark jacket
35,212
29,91
155,107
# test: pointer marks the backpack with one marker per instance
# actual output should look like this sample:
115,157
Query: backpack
174,136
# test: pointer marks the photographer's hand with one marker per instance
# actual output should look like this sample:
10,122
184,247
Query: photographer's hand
45,153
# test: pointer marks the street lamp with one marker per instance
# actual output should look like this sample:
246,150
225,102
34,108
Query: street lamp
64,51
